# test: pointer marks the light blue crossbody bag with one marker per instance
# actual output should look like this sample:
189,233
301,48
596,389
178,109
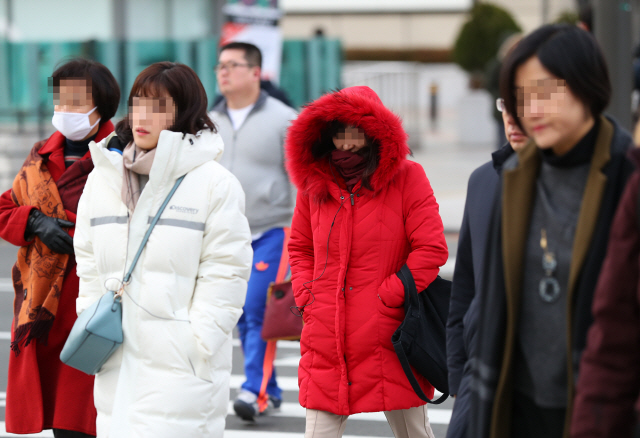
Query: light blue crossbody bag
97,333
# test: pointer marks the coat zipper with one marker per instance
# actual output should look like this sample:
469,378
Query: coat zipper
344,292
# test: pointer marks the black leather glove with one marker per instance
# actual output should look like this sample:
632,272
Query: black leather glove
50,231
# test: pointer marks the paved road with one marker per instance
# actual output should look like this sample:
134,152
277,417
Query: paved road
288,423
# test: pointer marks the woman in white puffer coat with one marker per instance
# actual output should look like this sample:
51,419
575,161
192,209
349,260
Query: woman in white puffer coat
171,376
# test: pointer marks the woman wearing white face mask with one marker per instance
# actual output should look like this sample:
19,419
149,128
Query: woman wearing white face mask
38,214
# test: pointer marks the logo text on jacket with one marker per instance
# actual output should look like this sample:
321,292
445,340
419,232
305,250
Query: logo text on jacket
180,209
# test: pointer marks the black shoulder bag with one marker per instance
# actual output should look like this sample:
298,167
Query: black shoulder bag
420,340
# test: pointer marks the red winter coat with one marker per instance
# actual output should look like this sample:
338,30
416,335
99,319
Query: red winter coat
42,392
608,387
348,364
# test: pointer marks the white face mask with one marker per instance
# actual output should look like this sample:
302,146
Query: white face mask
74,126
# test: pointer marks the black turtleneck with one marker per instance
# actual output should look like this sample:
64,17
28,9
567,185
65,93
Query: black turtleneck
75,150
581,153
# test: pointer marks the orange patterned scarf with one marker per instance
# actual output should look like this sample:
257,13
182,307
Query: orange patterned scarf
39,272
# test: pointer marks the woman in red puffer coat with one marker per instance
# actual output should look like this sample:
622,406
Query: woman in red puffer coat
363,210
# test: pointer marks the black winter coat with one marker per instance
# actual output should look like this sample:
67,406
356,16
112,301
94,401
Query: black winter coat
467,278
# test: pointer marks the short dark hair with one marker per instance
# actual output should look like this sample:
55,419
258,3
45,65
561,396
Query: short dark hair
323,146
184,87
252,54
104,87
569,53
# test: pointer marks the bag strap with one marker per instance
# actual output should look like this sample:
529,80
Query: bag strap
410,290
411,296
412,378
155,220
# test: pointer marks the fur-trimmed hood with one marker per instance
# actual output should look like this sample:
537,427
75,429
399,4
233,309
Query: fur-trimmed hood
359,106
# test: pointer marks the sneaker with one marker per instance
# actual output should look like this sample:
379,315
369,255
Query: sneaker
272,406
246,405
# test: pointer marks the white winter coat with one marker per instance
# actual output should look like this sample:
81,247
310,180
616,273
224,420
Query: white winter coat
171,376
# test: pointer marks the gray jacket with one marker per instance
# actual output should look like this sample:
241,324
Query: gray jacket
255,155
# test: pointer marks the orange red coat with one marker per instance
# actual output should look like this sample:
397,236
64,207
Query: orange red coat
42,392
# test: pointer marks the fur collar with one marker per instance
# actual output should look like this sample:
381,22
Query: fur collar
358,106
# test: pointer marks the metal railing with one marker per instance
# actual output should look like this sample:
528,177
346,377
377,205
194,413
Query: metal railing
309,68
398,86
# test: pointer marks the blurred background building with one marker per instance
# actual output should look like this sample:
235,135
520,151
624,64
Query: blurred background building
434,62
423,30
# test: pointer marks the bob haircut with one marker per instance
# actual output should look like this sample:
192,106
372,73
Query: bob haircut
183,85
324,146
569,53
104,87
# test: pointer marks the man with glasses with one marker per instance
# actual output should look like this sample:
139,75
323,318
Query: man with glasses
514,135
469,271
253,126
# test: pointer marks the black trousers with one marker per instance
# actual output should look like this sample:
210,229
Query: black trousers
529,420
61,433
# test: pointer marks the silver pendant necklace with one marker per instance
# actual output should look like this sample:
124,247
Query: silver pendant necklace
549,288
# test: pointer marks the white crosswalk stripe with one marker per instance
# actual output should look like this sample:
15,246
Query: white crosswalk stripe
286,345
6,285
287,361
436,416
285,383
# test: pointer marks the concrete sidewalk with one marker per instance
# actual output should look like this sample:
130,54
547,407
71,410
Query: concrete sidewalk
449,171
448,164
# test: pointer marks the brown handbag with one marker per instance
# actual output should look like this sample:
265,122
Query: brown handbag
280,323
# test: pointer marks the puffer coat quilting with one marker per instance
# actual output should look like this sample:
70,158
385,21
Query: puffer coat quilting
355,304
171,376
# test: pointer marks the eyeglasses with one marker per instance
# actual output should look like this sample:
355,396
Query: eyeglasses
500,105
229,66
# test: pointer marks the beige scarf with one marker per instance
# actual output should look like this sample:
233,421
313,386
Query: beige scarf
136,162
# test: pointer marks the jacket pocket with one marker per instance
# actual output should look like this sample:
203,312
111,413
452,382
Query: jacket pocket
197,363
394,313
390,297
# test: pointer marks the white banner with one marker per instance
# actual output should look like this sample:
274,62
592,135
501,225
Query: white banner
364,6
258,25
266,37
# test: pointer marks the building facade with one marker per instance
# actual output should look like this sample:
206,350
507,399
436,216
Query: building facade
359,24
